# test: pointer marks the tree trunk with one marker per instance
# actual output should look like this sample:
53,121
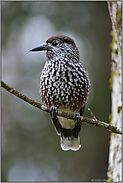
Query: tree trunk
115,151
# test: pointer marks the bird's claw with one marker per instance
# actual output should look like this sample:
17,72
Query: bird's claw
53,111
76,117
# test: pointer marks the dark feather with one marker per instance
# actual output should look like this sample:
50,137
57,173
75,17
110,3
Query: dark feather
56,124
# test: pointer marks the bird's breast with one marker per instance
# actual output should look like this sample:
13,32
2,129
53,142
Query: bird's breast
63,86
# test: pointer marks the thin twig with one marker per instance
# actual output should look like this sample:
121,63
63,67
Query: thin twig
94,122
92,114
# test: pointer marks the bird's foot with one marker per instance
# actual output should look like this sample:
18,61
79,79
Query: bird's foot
53,111
76,117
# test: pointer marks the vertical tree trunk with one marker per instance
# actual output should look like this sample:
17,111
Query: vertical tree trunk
115,151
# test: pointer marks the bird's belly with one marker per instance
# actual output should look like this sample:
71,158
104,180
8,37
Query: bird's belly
66,123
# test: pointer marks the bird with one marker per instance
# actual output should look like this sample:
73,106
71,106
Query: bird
64,86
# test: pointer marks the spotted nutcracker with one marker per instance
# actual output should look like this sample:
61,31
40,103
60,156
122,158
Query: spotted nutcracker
64,85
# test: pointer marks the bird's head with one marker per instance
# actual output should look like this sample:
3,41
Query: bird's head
59,47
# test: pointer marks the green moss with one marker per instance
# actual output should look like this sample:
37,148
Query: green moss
110,180
111,172
119,108
111,80
115,51
117,73
110,118
120,15
112,33
113,134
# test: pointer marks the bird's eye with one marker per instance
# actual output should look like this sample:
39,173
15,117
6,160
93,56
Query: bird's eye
55,42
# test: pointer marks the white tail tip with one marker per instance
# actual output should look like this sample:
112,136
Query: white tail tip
70,143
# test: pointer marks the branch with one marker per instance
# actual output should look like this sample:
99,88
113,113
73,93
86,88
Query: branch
115,29
94,122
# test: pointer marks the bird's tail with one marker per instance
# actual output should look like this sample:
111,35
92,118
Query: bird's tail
70,139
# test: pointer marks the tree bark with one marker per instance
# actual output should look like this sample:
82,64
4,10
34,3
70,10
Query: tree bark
115,150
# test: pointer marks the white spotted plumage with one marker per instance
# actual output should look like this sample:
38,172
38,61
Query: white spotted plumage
64,84
62,78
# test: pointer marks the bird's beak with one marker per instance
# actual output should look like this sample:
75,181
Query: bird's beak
41,47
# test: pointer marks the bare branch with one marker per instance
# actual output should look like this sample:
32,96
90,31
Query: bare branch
94,122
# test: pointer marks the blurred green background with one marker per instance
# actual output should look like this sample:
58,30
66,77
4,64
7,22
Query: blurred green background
30,146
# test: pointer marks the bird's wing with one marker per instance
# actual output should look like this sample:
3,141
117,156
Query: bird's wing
82,111
56,124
